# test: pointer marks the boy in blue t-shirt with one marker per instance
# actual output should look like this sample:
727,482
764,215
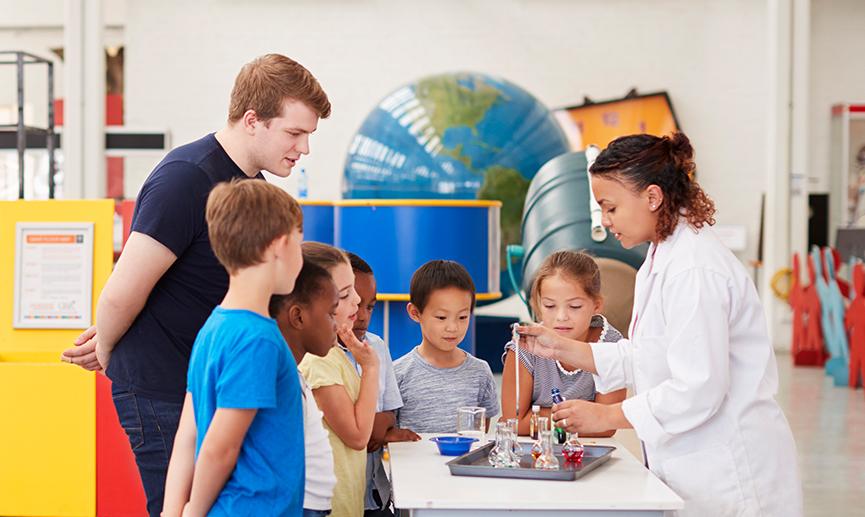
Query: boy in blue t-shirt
239,449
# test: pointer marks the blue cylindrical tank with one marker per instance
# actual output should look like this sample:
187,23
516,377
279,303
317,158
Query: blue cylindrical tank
397,236
317,220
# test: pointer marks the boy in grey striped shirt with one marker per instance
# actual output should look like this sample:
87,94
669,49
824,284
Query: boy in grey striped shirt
436,377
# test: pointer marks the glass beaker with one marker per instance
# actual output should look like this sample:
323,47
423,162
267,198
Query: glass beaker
471,422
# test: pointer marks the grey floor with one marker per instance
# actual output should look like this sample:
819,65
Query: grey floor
829,426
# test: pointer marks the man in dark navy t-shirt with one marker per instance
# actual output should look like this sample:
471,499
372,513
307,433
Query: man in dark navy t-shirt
167,280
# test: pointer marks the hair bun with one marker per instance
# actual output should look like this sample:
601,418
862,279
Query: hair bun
682,152
680,146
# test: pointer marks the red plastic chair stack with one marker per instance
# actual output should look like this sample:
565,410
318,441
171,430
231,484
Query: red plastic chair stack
810,350
796,299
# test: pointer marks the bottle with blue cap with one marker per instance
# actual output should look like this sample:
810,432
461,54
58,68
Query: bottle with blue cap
559,434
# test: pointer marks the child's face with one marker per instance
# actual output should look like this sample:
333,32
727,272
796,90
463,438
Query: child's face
445,319
346,311
364,284
289,261
319,322
565,307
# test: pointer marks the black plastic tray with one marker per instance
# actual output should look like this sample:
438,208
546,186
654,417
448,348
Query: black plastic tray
476,463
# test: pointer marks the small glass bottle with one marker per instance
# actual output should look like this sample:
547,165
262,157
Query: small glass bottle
514,424
533,423
559,434
495,452
502,454
537,447
516,450
547,460
572,450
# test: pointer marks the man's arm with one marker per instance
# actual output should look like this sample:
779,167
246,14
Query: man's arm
178,482
143,262
218,457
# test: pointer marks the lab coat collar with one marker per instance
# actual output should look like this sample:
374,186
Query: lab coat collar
661,253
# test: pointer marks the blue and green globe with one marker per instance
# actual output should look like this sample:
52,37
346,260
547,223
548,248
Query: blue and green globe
454,136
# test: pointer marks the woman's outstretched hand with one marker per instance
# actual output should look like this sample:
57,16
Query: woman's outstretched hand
539,340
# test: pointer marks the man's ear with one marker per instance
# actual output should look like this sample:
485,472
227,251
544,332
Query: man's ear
413,312
248,120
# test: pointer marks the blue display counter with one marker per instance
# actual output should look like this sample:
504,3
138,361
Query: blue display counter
317,220
397,236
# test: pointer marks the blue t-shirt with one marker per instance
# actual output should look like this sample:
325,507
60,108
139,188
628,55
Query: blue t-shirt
240,360
152,357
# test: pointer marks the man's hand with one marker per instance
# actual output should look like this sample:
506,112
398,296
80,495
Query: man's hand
84,352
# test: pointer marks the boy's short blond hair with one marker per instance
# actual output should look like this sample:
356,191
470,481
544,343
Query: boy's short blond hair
244,217
266,82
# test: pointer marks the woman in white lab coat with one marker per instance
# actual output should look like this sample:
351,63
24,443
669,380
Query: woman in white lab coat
699,361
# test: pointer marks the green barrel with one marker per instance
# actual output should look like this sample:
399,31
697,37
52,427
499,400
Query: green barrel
556,216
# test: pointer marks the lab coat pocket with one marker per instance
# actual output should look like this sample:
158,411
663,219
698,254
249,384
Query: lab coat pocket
651,367
708,482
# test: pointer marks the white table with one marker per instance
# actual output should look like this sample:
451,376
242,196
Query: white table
622,487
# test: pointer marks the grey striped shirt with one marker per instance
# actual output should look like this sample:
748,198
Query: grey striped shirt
432,395
549,374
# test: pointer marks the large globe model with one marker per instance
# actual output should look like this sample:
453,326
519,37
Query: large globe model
454,136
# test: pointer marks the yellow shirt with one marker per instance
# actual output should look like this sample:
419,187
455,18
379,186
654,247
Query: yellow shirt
349,465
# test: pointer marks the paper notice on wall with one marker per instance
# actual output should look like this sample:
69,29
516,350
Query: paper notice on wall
53,275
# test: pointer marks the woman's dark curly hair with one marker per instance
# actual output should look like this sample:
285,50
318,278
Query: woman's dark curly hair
668,162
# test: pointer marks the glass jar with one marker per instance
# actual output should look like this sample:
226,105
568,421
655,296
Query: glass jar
547,460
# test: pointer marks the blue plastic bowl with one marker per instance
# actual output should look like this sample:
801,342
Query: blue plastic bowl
453,445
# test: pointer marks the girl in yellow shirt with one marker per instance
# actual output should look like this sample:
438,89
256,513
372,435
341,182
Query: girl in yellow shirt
347,400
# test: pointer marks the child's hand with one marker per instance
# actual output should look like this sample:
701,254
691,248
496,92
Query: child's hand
364,354
539,340
395,434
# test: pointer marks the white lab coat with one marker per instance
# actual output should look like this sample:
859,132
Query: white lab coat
703,371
